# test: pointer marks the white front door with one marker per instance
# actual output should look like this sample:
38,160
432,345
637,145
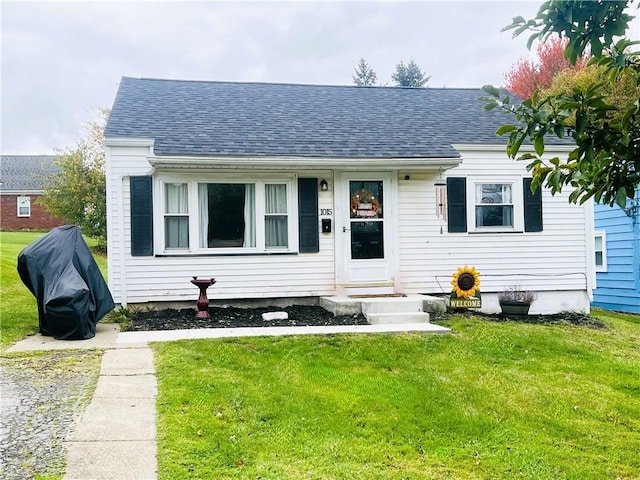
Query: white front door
364,240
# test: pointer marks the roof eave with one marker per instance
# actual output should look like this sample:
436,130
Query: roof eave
301,163
465,147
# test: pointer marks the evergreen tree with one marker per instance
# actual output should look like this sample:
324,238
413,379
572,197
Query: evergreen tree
409,75
364,75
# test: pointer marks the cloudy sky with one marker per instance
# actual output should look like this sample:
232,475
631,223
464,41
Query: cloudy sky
62,60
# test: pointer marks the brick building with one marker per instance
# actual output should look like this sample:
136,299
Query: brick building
21,181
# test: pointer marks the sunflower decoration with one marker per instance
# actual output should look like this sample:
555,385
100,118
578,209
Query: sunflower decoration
466,282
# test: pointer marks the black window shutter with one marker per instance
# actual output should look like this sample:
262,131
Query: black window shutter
308,235
532,207
141,216
457,204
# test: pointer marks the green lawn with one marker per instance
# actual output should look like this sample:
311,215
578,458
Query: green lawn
492,400
18,311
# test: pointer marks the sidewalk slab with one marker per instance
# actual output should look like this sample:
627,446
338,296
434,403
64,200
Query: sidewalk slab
115,437
112,461
111,419
132,338
106,335
134,361
126,386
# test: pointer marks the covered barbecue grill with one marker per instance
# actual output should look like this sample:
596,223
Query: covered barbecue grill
60,271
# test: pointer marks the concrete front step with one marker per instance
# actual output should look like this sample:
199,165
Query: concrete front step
343,305
396,318
370,306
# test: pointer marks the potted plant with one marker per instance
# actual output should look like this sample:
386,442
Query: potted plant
516,301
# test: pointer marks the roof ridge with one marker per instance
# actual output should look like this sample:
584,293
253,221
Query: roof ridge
293,84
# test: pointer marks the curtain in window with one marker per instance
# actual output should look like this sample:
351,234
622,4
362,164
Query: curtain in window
249,215
276,231
177,198
494,206
203,210
176,227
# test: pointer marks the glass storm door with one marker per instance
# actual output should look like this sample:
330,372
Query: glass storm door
365,249
366,218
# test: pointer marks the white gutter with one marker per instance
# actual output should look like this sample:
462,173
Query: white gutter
277,162
503,148
20,192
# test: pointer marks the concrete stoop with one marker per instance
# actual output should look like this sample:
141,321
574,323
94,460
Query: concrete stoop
386,309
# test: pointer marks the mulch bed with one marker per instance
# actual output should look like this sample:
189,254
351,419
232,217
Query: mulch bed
231,317
305,315
563,318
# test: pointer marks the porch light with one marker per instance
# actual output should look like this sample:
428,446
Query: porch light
324,185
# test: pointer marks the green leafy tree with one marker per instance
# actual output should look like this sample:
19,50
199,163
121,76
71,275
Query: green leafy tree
77,193
604,125
364,75
409,75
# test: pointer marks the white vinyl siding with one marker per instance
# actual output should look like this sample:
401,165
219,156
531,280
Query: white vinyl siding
553,260
142,279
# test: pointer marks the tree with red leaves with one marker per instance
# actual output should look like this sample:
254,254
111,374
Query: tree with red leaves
601,116
527,76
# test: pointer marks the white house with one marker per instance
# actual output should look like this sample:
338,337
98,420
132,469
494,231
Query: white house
304,191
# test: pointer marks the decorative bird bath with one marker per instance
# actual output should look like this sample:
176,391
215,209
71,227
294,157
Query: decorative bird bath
203,301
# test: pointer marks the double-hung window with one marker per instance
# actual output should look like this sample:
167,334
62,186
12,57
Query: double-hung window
24,207
276,218
176,216
494,205
600,251
476,205
220,216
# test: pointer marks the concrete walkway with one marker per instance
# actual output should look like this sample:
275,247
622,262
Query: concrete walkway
115,438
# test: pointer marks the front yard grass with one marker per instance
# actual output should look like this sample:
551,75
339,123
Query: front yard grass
493,400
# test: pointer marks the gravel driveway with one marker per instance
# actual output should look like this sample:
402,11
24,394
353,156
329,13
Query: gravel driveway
42,395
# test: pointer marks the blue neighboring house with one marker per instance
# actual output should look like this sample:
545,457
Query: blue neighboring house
617,255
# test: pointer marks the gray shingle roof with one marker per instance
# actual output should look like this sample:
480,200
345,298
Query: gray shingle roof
262,119
25,172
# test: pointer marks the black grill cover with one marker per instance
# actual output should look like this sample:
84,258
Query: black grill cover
60,271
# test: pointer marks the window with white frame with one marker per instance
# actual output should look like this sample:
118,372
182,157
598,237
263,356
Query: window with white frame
494,205
176,216
222,215
276,219
600,251
24,206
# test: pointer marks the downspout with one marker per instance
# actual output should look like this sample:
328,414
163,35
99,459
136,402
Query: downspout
123,252
589,227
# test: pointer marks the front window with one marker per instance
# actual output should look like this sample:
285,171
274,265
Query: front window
276,220
176,216
225,215
24,207
494,205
